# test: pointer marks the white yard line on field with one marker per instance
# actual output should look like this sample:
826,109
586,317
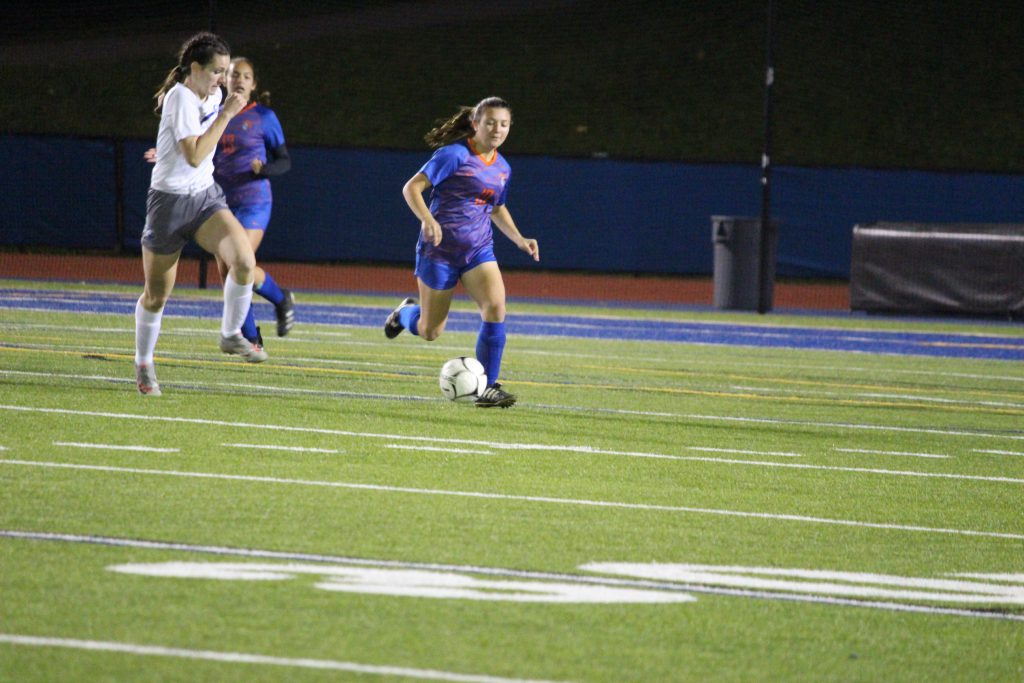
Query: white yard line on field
63,375
294,361
260,388
900,453
550,319
589,450
558,448
849,425
937,399
990,452
483,495
111,447
864,470
789,391
739,451
127,379
248,658
314,332
266,389
439,450
832,370
614,581
271,447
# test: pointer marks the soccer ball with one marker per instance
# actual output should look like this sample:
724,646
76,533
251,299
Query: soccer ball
462,379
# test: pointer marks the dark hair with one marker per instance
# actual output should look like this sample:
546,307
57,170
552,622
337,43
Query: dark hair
262,97
460,124
201,48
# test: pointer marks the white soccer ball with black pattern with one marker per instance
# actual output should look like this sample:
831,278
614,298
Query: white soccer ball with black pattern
462,379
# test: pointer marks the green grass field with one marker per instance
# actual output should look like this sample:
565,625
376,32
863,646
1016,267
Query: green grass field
650,511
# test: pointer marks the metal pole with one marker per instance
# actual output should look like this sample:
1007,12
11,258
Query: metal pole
764,303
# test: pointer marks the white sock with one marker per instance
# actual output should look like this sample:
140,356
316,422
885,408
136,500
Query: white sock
147,329
237,299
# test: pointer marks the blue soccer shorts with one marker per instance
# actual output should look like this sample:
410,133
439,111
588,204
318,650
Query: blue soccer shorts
441,275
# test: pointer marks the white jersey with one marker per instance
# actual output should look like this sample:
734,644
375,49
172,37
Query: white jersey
183,115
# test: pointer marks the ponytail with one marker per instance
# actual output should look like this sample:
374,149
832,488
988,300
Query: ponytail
201,48
448,131
460,125
175,75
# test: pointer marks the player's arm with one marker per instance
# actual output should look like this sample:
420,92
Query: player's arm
503,219
413,193
278,163
198,147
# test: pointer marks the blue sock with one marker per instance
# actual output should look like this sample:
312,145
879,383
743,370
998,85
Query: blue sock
409,316
269,290
490,344
249,326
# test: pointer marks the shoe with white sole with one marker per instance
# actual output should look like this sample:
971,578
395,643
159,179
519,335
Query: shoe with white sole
240,346
145,380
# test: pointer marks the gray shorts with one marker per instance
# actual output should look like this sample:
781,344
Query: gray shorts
172,220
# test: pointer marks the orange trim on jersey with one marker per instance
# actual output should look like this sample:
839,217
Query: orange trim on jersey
247,107
472,147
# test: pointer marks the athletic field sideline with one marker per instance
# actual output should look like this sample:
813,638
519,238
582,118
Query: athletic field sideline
680,495
969,344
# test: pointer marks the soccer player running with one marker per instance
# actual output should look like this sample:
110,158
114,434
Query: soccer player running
185,203
468,180
250,152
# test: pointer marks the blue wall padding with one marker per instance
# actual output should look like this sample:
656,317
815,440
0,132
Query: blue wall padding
57,191
588,214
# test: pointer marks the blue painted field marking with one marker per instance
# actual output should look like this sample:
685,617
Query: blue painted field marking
937,344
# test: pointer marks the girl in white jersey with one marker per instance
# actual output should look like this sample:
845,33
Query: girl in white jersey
185,203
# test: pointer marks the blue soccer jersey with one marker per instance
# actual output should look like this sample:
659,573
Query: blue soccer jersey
466,188
249,135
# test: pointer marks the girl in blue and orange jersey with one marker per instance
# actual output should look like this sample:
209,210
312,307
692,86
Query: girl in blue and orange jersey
468,182
250,152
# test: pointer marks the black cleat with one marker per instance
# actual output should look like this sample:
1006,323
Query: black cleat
393,326
285,313
495,397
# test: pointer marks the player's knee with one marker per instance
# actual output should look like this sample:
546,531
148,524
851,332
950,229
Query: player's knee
493,313
154,301
244,267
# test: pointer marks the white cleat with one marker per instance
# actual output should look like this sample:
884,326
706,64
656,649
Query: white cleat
240,346
145,380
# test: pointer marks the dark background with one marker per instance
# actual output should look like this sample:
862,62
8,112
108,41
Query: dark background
907,85
635,123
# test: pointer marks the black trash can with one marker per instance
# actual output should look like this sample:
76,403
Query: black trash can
739,283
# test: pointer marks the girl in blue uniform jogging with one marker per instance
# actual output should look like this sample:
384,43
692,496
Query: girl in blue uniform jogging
468,182
249,153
